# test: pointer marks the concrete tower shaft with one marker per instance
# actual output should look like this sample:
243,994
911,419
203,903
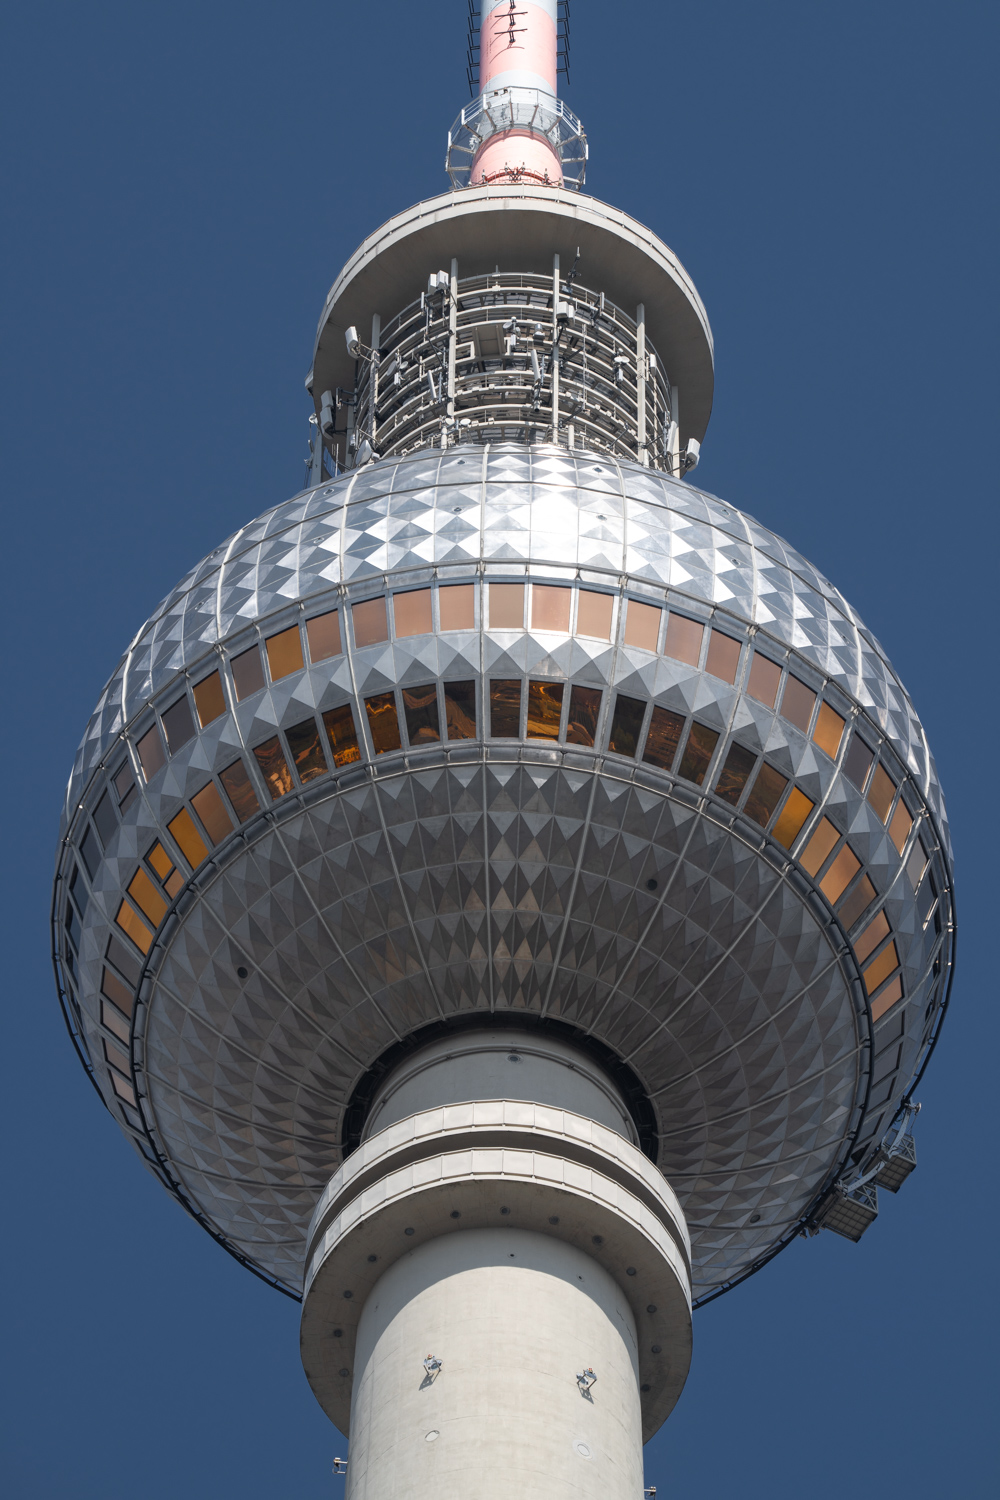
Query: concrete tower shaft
517,53
497,1279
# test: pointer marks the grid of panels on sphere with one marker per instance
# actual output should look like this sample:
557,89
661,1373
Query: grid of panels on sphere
505,730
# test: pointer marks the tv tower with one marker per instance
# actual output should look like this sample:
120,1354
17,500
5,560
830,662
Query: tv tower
504,891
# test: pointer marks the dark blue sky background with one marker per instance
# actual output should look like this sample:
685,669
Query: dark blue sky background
182,183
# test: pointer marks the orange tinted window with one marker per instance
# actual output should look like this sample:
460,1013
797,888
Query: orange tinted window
798,703
873,934
212,814
369,622
735,774
723,656
173,884
187,838
412,613
147,898
284,653
764,679
698,752
457,606
642,625
248,674
584,709
151,755
593,615
765,794
880,968
550,608
684,639
859,900
794,813
209,699
134,927
343,736
665,730
506,606
888,998
383,723
829,730
113,1021
274,767
323,635
881,793
113,990
899,828
420,707
505,707
819,846
840,874
544,710
307,749
460,710
160,860
239,790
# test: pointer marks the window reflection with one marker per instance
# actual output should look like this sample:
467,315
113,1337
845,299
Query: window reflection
307,750
544,708
119,994
880,968
209,699
857,762
829,730
457,606
460,710
411,613
665,730
626,724
684,638
792,817
819,847
584,711
642,625
125,787
765,794
239,790
899,828
284,653
868,940
133,926
840,874
187,838
343,735
764,679
212,814
698,752
505,706
370,627
151,755
735,773
248,673
383,722
550,608
881,793
593,615
274,767
797,704
420,707
887,999
856,902
178,725
723,657
506,606
323,635
104,820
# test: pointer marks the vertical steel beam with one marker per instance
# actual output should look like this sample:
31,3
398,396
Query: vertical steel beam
640,382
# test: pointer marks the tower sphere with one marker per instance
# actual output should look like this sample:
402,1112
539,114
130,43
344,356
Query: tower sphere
511,733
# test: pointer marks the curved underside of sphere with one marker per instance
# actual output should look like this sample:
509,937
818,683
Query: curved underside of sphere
576,869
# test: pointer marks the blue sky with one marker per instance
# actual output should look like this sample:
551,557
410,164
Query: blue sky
182,183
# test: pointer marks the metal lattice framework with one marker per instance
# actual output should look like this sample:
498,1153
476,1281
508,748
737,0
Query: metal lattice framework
252,906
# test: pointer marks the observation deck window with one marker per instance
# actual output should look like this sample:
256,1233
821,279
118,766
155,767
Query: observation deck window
684,638
274,768
104,820
125,787
342,735
151,754
420,709
829,730
735,773
457,606
178,725
248,673
857,762
723,658
505,705
412,613
460,710
792,818
370,624
187,838
819,847
840,874
212,814
881,793
663,738
209,699
284,653
626,725
584,712
765,676
323,635
765,794
307,750
798,703
545,706
594,614
383,722
698,752
642,625
856,902
550,608
899,827
506,606
239,789
868,940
